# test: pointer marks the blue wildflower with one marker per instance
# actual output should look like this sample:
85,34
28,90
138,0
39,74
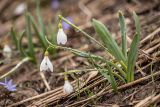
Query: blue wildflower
65,25
55,4
9,85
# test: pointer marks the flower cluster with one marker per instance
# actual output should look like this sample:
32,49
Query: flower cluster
8,85
46,64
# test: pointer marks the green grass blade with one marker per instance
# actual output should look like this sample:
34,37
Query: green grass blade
29,36
107,73
132,55
113,81
137,23
14,37
23,53
40,20
39,35
108,41
123,33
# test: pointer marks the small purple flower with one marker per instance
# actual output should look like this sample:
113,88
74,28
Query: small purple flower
55,4
65,25
9,85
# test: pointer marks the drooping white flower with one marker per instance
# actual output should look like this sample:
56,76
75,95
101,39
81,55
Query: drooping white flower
119,65
67,88
61,37
20,9
7,51
46,64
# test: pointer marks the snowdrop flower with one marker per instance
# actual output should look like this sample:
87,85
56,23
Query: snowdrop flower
7,52
8,85
20,9
61,36
46,63
55,4
119,65
67,88
65,25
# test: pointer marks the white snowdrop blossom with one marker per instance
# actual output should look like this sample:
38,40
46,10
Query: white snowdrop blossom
119,65
7,51
46,64
67,88
20,9
61,37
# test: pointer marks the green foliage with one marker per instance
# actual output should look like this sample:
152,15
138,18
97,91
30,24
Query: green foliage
132,55
31,25
31,52
108,41
14,37
121,56
123,33
123,64
23,53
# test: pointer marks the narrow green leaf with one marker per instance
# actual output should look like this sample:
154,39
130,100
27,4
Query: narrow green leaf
123,33
40,20
108,41
23,53
29,36
107,73
113,81
132,55
14,37
137,23
39,35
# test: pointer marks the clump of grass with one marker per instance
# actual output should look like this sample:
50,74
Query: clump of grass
123,61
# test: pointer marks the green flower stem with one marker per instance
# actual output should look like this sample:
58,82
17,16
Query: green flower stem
16,67
86,55
77,28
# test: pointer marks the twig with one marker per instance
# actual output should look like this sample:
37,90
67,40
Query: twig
45,81
150,36
16,67
148,101
119,88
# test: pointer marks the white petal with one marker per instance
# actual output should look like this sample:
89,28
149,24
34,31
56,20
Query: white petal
7,52
20,9
67,88
61,37
46,64
50,66
43,65
119,65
